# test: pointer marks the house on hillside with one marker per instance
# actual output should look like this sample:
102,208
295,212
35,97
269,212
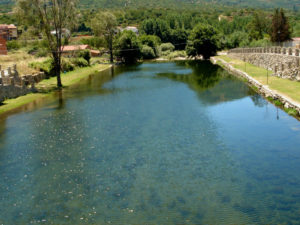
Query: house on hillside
8,32
71,50
65,33
131,28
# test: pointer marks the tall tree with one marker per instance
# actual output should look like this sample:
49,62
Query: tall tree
50,15
129,47
280,30
104,24
203,40
258,26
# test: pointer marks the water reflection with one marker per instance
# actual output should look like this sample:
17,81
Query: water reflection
212,84
125,147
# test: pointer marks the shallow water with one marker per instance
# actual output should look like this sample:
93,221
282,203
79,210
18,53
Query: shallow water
157,143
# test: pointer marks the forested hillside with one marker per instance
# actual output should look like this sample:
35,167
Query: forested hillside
290,4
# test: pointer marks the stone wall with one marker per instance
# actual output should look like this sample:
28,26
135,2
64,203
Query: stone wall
262,89
12,85
284,62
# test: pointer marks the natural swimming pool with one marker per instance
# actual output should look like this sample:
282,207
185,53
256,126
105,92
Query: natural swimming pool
156,143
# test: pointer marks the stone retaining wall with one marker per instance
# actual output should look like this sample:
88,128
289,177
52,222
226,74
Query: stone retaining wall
262,89
12,85
284,62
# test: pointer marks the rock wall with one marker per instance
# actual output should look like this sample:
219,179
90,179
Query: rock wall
284,62
262,89
11,91
12,85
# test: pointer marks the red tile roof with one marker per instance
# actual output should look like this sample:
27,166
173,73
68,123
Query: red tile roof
70,48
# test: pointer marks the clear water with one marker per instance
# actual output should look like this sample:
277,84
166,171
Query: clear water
157,143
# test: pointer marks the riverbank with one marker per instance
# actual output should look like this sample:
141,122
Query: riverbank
47,86
281,92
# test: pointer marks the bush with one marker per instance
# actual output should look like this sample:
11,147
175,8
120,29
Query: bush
46,66
148,52
166,47
13,45
129,47
95,42
67,65
41,52
79,62
85,54
260,43
176,54
32,50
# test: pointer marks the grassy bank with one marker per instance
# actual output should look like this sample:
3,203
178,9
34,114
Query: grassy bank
45,87
285,87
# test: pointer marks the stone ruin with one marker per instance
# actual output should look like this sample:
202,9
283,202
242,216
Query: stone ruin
12,85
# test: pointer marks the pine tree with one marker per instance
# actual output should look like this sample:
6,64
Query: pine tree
280,30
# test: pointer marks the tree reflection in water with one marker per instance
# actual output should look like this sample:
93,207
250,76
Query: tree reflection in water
213,84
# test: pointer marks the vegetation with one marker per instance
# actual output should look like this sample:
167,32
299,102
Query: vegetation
50,15
105,25
203,41
46,86
284,86
280,30
129,47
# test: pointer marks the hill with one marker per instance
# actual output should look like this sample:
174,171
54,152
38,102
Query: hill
264,4
5,5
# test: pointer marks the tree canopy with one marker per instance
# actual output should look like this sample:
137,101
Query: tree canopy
280,30
129,47
55,19
203,41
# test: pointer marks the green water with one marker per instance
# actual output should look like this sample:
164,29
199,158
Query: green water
156,143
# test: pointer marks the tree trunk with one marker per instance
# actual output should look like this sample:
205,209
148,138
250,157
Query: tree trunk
111,50
57,69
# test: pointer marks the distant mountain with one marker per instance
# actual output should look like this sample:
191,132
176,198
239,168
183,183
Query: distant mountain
266,4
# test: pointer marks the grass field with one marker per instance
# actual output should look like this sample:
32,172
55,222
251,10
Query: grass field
22,59
285,87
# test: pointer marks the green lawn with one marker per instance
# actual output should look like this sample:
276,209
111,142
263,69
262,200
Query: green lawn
71,77
50,85
284,86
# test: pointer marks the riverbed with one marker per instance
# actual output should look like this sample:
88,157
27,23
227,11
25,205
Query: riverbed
154,143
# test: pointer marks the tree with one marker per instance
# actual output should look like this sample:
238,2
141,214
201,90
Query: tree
203,40
129,48
104,24
151,41
280,30
157,27
258,26
50,15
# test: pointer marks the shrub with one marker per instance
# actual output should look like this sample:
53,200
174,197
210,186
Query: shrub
67,65
46,66
85,54
13,45
79,62
41,52
148,52
32,50
176,54
166,47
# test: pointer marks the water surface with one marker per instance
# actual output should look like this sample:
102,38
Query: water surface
156,143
